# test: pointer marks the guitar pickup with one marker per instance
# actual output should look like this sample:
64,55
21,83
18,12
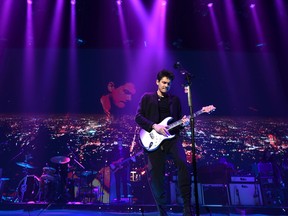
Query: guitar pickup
150,145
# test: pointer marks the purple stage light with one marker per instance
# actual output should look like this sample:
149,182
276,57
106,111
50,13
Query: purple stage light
119,2
164,3
210,5
252,5
29,1
73,2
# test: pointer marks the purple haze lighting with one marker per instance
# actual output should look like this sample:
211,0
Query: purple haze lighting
123,26
252,5
210,5
140,11
164,3
29,1
72,66
29,61
73,35
73,2
280,7
119,2
155,33
258,28
282,17
5,14
233,24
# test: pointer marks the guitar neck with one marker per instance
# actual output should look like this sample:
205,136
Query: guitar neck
179,122
199,112
129,158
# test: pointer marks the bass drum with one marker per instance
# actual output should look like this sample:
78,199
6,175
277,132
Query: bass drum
28,188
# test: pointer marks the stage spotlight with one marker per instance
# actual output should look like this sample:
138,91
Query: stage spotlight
164,3
252,5
29,1
119,2
210,5
73,2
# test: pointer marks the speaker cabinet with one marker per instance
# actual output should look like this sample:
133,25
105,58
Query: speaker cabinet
215,194
272,192
245,194
175,196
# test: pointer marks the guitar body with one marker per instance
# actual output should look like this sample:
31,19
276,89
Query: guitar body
151,140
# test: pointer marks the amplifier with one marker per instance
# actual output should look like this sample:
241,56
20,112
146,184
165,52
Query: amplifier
242,179
215,194
266,181
175,197
245,194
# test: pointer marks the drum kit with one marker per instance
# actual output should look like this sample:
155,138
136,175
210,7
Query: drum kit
47,187
58,184
63,182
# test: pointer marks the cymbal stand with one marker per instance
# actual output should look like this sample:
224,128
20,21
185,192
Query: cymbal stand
62,184
23,188
74,156
79,164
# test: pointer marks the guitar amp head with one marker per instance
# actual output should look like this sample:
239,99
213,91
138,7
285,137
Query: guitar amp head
243,179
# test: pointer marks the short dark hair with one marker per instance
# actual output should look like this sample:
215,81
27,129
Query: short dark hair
165,73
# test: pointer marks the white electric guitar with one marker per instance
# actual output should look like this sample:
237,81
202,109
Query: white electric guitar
152,140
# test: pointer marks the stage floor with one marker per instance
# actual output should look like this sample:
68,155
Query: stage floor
23,209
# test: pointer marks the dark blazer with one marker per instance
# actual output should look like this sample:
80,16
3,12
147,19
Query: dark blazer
148,110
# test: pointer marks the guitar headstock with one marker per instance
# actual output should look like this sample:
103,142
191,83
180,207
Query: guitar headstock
208,109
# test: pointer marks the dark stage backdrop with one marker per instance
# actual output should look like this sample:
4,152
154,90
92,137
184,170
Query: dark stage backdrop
236,83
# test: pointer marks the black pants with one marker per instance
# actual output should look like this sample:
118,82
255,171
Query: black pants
156,167
121,181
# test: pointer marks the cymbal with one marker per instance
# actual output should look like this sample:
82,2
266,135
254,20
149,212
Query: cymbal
60,159
25,165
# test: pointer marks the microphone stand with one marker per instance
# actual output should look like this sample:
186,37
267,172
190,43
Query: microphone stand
188,77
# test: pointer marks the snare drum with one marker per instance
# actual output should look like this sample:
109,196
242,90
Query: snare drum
28,188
